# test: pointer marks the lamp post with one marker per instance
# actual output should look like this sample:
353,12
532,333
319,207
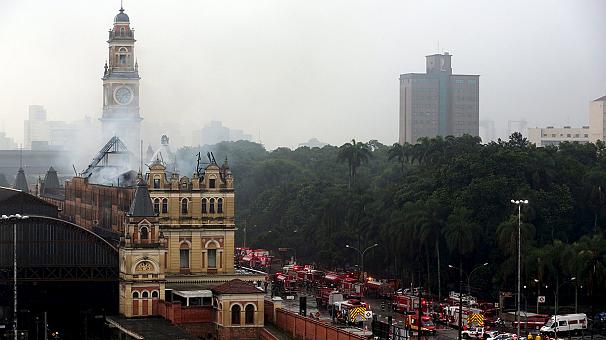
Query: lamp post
538,292
460,321
362,254
469,277
14,219
557,296
519,204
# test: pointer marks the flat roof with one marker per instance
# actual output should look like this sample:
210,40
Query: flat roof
193,293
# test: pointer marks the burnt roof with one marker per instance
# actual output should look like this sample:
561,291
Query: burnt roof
51,181
601,99
142,204
236,286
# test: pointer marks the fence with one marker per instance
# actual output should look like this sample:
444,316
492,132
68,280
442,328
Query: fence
300,327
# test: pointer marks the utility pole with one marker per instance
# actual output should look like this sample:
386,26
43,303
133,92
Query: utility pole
519,204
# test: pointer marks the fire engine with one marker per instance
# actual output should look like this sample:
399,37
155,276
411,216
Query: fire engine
351,288
427,325
256,259
350,312
405,303
284,284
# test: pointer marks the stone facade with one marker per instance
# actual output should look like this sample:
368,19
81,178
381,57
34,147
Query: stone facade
197,217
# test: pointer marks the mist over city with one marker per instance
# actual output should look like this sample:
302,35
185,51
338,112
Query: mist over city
279,169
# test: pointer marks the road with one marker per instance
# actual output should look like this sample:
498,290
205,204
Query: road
443,332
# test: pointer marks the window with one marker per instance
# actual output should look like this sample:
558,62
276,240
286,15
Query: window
144,233
568,135
212,206
157,205
235,315
156,183
586,135
164,205
211,183
184,257
145,294
220,206
212,258
184,206
122,31
135,295
562,323
122,59
155,294
204,208
249,314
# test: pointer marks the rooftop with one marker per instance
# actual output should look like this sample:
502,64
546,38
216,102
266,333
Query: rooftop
236,286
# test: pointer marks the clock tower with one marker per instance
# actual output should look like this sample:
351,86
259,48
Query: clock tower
121,86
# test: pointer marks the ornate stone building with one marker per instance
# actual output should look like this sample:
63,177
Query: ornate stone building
197,217
142,256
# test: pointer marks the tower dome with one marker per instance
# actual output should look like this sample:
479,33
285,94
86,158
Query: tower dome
121,17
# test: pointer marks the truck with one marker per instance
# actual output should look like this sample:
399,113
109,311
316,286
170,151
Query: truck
451,314
350,312
566,323
326,296
426,327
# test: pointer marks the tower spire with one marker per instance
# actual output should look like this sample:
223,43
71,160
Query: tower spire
121,7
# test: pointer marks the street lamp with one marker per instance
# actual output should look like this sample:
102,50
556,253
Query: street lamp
14,219
460,322
519,204
557,296
538,292
362,254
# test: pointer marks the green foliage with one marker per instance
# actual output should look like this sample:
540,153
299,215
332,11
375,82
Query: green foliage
427,205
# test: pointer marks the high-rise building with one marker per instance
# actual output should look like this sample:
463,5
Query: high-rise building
215,132
121,86
437,102
597,119
487,130
36,126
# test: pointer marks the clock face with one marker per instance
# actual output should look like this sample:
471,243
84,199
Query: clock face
123,95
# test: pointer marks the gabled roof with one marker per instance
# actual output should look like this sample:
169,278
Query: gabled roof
601,99
142,204
236,286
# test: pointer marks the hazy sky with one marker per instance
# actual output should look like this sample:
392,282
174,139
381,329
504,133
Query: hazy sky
301,69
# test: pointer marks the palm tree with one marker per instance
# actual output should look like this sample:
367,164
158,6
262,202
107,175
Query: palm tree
355,154
430,224
402,152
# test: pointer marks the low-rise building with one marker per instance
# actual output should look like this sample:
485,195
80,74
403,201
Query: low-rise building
596,130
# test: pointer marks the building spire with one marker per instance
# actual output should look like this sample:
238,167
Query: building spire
121,7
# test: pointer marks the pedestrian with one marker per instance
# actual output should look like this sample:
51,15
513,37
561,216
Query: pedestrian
546,337
530,337
318,315
538,337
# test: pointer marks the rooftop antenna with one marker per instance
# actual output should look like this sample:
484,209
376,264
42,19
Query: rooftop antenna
21,156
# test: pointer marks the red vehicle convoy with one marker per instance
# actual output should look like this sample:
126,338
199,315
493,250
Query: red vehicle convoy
404,303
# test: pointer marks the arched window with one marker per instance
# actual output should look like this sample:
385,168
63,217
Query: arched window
122,55
184,206
249,314
184,256
121,31
212,206
235,314
155,294
157,205
211,183
145,294
156,183
144,232
204,208
220,206
135,295
164,205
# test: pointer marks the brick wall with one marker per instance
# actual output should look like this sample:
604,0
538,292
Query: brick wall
241,333
305,328
269,311
177,314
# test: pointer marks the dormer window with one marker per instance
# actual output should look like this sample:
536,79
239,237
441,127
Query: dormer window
211,183
156,183
144,233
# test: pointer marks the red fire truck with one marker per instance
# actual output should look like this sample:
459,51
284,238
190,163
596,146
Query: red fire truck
284,284
406,303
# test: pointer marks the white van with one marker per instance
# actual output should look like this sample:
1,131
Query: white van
567,323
